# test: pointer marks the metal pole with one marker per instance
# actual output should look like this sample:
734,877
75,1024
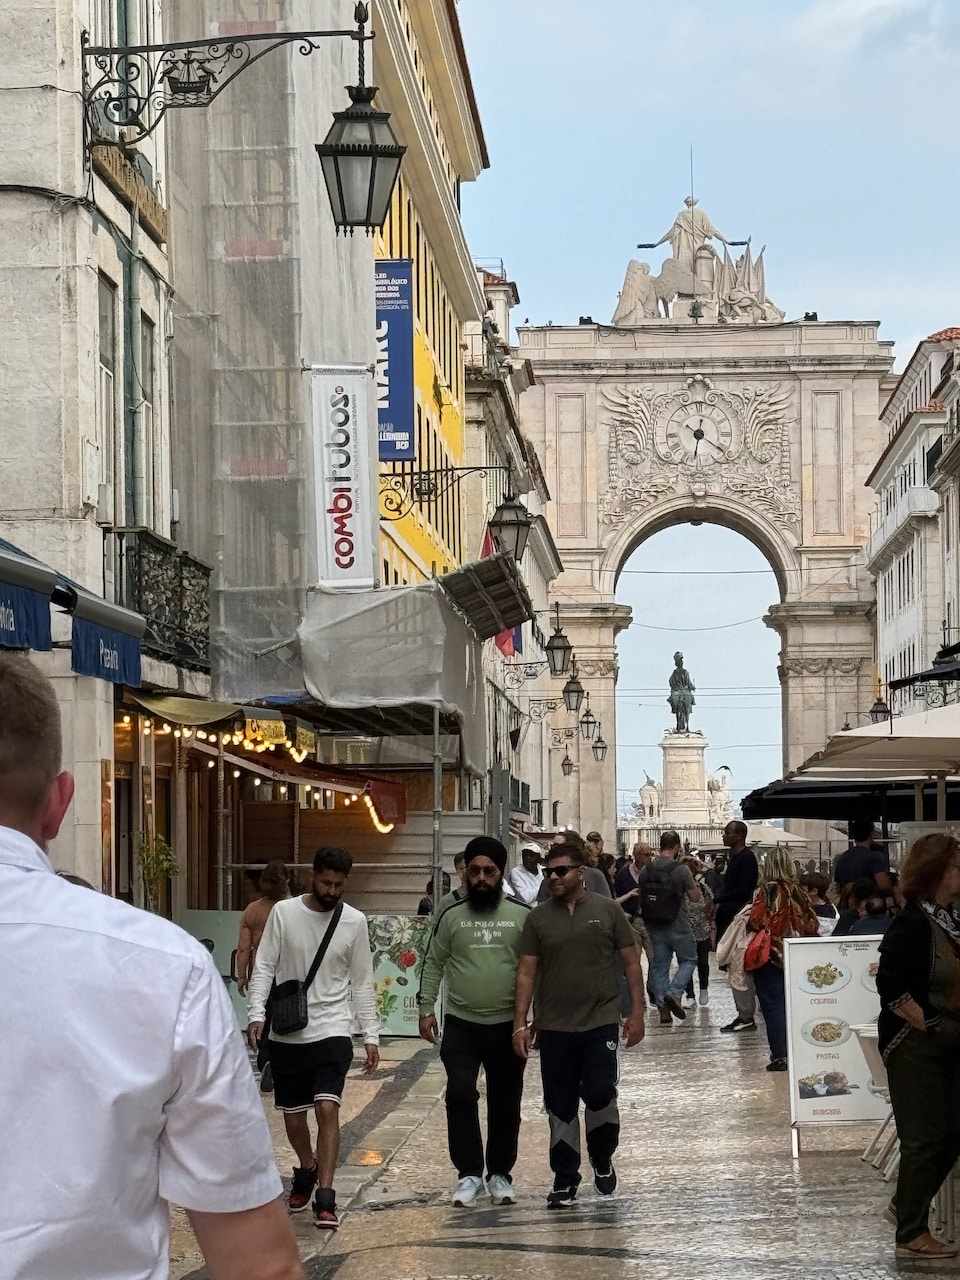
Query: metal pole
221,833
437,858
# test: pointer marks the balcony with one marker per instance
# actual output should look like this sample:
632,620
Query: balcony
171,590
897,526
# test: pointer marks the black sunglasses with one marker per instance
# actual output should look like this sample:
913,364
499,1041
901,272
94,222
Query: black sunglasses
561,870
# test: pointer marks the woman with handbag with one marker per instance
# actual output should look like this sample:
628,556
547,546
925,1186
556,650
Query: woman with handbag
781,909
918,982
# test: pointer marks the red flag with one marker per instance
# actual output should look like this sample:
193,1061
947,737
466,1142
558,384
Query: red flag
509,641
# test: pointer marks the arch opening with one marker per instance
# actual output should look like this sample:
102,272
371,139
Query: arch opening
700,588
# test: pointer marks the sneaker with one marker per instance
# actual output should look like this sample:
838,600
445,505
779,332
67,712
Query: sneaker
666,1019
675,1007
466,1191
777,1064
561,1197
690,999
606,1183
266,1079
304,1180
325,1215
704,997
501,1189
740,1024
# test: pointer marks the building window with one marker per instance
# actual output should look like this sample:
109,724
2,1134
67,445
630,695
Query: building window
147,401
107,388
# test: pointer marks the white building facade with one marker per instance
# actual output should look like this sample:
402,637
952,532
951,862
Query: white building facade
912,547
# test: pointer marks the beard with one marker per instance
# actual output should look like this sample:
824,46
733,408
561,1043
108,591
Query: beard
484,896
324,900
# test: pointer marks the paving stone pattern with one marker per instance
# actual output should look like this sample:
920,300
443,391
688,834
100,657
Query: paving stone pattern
708,1188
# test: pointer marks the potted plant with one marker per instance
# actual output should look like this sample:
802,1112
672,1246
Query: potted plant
157,864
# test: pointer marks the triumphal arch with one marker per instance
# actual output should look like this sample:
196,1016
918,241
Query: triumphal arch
701,402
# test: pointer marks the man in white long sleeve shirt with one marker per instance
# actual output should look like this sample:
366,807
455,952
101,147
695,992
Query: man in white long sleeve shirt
310,1066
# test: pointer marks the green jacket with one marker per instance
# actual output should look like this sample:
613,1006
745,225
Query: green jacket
478,953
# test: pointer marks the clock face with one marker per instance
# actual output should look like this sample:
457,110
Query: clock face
695,432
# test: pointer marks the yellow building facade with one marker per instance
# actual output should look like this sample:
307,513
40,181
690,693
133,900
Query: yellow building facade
424,80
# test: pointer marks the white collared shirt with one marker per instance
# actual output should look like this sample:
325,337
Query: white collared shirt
124,1082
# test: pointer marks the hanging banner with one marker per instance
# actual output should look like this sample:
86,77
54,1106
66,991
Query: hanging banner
831,988
395,398
342,470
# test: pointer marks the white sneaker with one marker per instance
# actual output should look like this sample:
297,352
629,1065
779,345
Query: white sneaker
501,1189
704,997
466,1191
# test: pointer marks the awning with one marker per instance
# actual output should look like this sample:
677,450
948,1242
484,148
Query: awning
25,589
105,637
848,801
490,594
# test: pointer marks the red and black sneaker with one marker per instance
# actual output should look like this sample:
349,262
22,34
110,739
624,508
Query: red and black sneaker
304,1180
325,1210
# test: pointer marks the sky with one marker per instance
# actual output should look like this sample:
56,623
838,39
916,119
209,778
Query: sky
825,130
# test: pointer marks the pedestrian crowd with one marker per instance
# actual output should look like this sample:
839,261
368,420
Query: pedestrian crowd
547,957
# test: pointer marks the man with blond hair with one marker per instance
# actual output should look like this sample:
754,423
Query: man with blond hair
124,1083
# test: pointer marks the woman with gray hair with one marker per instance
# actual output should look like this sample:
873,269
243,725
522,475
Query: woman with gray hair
782,907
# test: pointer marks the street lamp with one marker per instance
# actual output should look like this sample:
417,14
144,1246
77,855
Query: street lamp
599,747
566,764
128,89
510,525
588,723
558,649
573,691
879,711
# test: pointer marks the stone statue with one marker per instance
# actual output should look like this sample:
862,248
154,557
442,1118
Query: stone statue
681,697
691,229
638,297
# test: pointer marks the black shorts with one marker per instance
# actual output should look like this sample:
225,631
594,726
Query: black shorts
307,1073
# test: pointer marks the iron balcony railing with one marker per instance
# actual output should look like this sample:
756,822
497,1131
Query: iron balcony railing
172,591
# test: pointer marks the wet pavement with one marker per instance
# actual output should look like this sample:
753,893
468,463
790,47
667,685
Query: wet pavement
708,1187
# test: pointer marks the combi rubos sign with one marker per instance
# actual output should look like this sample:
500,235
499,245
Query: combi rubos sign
342,471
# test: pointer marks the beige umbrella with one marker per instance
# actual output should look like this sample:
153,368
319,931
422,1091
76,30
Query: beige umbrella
907,748
768,836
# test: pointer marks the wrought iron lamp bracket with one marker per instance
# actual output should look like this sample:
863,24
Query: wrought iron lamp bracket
540,708
400,491
130,88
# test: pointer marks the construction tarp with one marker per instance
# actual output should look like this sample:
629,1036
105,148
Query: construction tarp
380,662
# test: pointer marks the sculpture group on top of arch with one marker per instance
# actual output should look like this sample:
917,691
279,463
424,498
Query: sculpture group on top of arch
724,291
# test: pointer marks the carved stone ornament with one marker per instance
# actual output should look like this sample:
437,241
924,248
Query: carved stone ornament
598,667
698,440
818,666
540,708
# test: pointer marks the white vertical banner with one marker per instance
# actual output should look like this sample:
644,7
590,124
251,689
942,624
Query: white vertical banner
342,470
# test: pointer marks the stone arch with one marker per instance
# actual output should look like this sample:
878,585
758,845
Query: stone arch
790,416
776,547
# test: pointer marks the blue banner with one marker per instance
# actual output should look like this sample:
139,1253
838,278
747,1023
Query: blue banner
24,618
395,399
105,653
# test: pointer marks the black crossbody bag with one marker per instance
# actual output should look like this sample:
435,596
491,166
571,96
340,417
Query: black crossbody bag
288,1004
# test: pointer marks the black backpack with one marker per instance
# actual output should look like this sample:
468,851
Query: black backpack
660,895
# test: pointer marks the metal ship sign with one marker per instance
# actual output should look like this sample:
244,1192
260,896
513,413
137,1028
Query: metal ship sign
342,470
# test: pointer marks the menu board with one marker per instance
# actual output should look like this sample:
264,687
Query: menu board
831,988
398,945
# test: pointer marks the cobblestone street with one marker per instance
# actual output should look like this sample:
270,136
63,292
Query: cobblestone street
707,1183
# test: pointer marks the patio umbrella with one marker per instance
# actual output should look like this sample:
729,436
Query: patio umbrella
769,836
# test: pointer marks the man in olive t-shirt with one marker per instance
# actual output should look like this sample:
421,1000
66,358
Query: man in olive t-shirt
571,947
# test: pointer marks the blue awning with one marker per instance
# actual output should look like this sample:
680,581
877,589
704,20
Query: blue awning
25,589
106,637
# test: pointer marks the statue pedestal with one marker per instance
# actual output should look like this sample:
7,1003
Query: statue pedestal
684,780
